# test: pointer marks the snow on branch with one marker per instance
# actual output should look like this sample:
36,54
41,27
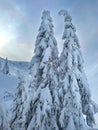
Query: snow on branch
65,14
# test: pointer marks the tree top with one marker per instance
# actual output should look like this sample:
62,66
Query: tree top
65,14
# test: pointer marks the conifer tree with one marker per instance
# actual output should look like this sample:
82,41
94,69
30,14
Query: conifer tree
44,78
45,98
42,101
17,119
74,91
6,67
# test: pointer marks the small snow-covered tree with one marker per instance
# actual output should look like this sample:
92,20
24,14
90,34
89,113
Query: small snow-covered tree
4,122
74,91
43,102
5,69
18,106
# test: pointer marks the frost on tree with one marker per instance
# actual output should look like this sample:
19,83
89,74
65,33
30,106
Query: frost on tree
43,100
17,120
4,122
6,67
74,91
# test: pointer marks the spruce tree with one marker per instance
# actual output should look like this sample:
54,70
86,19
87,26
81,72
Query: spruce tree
6,67
42,103
74,91
19,104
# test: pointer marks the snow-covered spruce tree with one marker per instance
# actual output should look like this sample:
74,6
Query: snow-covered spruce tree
74,91
41,109
4,123
17,119
5,69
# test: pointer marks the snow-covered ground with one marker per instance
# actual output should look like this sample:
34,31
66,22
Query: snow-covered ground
8,85
15,67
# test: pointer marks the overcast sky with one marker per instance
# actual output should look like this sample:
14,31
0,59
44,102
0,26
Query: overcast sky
20,20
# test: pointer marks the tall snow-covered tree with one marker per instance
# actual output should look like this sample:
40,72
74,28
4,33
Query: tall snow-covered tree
5,69
74,91
4,122
17,119
43,102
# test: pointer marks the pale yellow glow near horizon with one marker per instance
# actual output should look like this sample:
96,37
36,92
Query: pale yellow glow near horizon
5,37
10,49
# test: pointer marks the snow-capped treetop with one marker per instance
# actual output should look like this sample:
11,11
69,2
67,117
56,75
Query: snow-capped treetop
71,45
45,31
69,28
46,24
45,38
65,14
44,41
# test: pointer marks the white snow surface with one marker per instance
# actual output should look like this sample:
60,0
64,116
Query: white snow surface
15,67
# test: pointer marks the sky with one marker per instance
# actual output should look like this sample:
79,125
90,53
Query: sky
20,20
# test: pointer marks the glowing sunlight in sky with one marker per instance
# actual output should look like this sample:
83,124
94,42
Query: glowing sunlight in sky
5,37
